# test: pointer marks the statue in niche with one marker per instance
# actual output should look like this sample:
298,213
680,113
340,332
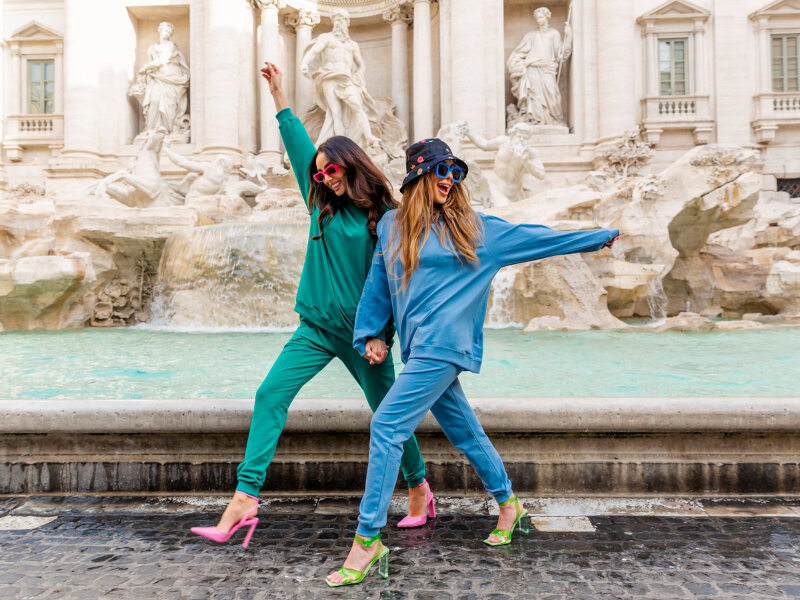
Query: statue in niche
534,67
142,185
162,87
515,162
334,63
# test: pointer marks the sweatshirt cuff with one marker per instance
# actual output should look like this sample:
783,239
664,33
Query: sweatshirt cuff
284,114
360,346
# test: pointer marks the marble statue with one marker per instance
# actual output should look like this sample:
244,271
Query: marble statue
142,185
515,160
534,67
162,86
208,186
334,63
454,135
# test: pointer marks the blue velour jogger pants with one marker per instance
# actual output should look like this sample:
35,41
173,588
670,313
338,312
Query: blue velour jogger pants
423,385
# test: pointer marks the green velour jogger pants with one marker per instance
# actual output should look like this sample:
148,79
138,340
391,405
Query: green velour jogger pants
308,351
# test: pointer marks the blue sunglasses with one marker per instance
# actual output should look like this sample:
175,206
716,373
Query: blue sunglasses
443,169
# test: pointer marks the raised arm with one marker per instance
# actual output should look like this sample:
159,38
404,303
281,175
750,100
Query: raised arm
482,142
511,244
375,307
299,146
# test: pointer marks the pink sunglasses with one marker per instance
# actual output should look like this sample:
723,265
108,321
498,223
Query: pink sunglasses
330,171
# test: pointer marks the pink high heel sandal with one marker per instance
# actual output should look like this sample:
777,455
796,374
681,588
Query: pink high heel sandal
215,535
409,521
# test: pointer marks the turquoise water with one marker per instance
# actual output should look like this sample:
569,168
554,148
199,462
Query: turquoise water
136,363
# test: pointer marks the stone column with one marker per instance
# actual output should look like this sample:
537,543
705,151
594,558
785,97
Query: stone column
423,71
618,105
16,81
764,58
269,49
221,79
2,102
302,22
80,79
399,17
59,75
699,59
651,53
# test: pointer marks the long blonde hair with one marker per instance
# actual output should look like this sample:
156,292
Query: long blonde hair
462,229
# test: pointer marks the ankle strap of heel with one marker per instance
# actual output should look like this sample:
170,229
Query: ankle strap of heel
367,541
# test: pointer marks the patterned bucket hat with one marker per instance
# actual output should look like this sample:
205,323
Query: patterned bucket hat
424,156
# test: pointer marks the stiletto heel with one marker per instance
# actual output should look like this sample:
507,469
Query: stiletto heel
215,535
353,576
430,511
521,520
383,566
525,523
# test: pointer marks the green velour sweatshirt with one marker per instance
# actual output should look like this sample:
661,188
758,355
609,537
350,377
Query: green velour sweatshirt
336,265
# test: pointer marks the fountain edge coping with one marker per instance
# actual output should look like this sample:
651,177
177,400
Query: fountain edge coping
351,415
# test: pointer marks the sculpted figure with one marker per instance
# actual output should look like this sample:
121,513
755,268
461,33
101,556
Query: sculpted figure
162,86
534,67
210,180
142,185
333,62
454,135
515,158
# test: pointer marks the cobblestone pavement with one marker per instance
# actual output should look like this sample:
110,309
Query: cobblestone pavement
154,556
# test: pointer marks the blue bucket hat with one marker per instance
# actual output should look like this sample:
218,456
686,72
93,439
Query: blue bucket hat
424,156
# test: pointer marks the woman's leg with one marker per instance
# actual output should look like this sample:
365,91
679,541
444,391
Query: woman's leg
418,386
461,426
304,355
376,381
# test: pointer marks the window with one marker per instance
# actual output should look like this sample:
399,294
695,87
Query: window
41,87
791,186
672,67
785,56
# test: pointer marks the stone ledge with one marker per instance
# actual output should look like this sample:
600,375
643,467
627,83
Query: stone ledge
500,415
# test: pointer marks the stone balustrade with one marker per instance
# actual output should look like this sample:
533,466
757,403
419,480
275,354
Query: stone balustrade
677,112
32,130
771,110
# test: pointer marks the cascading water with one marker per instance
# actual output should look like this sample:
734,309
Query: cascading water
500,313
240,276
657,301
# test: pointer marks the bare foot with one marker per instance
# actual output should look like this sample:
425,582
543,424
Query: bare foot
358,559
418,500
505,521
238,507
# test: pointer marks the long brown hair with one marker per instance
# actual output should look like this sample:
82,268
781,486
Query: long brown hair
367,186
462,229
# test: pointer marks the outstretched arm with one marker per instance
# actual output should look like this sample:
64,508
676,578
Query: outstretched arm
375,307
482,142
299,146
511,244
181,161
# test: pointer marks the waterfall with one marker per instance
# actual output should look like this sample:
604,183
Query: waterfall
500,313
231,276
657,301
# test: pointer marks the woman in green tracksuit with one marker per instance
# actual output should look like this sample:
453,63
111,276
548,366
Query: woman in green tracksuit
347,195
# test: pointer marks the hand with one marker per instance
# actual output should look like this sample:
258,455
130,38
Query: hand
376,351
610,242
274,77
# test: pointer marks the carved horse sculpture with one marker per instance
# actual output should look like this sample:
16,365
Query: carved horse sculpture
142,185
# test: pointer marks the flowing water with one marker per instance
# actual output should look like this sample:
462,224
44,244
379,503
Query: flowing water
147,363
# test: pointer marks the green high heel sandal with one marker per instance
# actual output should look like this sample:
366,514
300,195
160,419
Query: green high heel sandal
352,576
504,535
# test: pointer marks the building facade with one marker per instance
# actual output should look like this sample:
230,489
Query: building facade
686,73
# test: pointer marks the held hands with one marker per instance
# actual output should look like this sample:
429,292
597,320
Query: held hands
376,351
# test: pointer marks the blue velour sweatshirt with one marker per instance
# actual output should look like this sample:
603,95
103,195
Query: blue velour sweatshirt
440,313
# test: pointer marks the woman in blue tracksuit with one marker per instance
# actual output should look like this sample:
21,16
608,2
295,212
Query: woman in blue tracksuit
432,268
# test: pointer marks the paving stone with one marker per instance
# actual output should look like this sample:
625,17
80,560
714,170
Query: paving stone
155,556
